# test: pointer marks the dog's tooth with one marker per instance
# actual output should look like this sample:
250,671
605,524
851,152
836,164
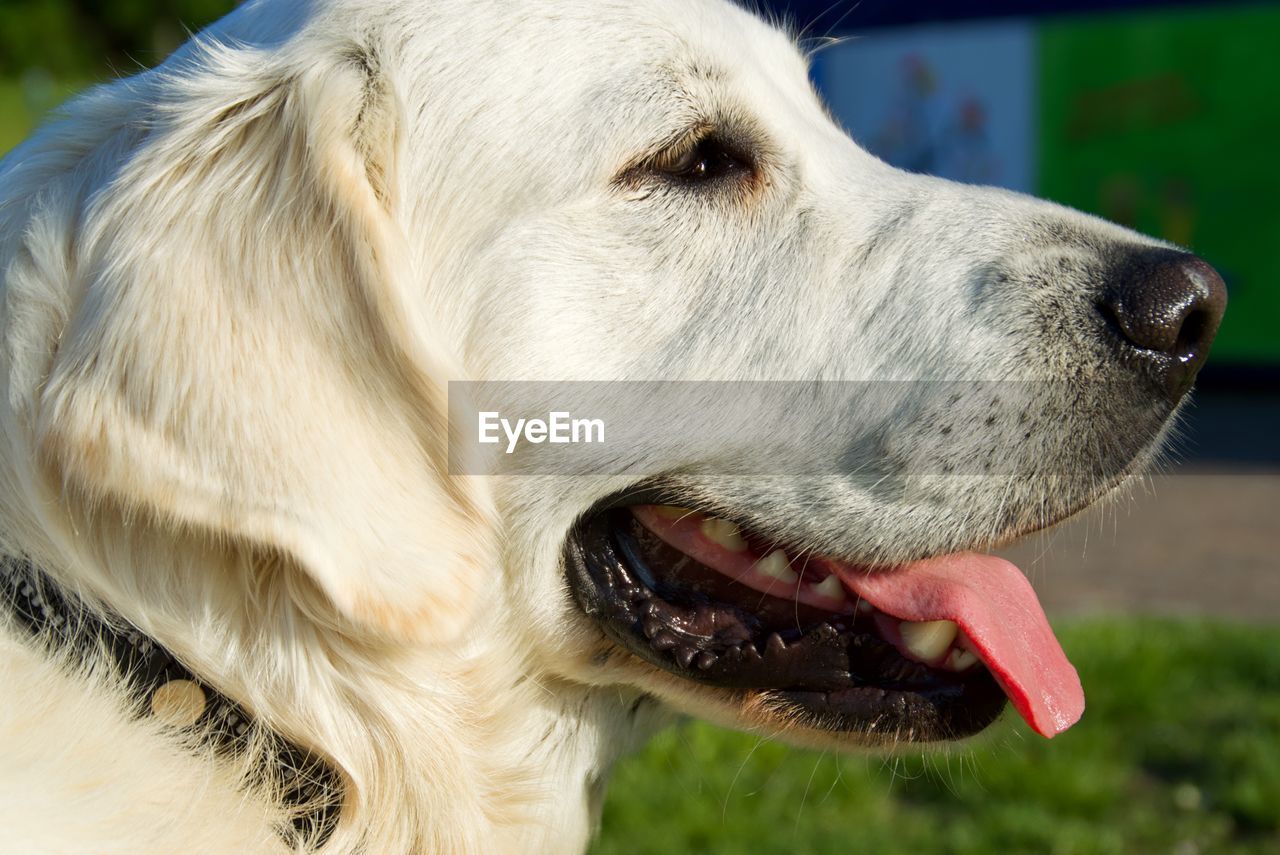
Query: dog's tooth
960,659
830,588
775,644
776,565
672,512
928,640
724,533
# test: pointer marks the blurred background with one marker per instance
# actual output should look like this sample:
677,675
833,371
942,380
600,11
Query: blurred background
1164,116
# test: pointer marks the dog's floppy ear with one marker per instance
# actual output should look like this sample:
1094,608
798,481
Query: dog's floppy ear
246,355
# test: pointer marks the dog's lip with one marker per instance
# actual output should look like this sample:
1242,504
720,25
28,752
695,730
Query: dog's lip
836,674
957,608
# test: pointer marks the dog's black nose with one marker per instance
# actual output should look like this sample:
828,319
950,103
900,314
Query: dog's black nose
1165,306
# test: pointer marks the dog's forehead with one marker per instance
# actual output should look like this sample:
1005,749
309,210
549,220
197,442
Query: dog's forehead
645,72
707,26
708,48
651,50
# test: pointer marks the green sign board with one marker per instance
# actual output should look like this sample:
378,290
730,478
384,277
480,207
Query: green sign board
1170,123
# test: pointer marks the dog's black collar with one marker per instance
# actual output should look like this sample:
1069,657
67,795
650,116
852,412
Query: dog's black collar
162,686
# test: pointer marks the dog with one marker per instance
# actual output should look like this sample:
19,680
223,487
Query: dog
253,606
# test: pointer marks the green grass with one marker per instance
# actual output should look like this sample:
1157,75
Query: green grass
1179,751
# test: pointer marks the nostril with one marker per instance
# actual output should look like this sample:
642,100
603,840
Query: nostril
1107,309
1191,338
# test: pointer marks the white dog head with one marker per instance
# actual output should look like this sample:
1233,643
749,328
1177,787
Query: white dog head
294,233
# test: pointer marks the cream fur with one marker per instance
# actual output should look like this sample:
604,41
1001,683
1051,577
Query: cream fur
234,288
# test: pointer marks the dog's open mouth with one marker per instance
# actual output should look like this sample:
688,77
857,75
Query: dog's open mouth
926,651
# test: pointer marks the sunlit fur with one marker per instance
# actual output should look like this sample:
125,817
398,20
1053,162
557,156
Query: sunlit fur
235,287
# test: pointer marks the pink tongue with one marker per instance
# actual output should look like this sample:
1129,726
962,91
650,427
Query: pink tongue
996,608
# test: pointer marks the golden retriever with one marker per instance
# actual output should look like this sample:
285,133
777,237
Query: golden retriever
267,594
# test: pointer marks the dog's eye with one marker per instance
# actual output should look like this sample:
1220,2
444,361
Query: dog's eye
709,159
